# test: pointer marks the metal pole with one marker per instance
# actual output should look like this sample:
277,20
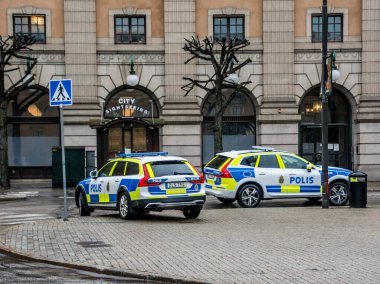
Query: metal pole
325,130
63,164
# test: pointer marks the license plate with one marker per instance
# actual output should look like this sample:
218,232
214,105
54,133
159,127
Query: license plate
179,184
210,176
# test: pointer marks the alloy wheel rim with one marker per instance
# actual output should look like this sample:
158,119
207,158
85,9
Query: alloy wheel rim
338,194
250,196
123,206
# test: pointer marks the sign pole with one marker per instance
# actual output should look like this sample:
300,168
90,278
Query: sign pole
65,217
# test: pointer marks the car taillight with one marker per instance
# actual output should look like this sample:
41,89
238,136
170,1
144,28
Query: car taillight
223,172
144,180
202,180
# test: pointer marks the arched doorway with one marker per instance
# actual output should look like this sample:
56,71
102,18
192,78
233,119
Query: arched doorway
239,123
130,113
33,130
339,129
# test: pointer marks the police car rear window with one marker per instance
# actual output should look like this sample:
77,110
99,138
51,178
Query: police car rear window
170,168
217,162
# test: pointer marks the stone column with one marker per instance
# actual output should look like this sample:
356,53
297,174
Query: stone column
368,118
181,133
80,64
278,105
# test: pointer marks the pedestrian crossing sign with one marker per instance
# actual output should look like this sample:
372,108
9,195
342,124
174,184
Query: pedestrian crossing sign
60,92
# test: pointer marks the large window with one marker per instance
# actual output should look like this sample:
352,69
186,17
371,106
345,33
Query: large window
33,25
33,129
228,27
130,29
239,130
334,30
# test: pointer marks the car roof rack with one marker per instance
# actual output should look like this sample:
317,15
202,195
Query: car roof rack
142,154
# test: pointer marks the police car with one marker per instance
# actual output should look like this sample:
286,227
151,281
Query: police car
265,173
142,182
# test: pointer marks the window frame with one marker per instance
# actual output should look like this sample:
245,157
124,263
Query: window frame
228,17
129,17
30,25
341,15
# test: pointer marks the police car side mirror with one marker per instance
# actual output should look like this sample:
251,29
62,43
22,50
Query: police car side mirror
309,167
94,174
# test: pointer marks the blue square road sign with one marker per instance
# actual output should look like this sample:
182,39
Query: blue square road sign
60,92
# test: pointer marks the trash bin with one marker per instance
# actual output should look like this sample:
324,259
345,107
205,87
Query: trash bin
358,189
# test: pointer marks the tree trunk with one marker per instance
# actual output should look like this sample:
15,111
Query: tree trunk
4,175
218,124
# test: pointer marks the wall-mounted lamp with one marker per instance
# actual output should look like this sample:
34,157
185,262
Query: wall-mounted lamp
132,79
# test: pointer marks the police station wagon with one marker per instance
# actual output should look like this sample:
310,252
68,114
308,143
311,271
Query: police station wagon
142,182
264,173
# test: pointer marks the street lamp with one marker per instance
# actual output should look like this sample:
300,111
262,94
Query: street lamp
329,74
132,79
232,78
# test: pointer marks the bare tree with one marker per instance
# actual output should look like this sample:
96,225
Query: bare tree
222,56
11,49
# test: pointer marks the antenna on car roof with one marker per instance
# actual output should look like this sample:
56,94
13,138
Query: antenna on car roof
142,154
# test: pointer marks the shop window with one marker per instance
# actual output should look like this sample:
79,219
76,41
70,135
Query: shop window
33,25
334,30
228,27
130,29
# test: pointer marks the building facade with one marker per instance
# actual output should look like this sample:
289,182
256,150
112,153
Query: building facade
93,42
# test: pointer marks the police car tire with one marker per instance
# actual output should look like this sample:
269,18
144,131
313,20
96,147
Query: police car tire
84,210
124,202
191,212
225,200
244,194
343,190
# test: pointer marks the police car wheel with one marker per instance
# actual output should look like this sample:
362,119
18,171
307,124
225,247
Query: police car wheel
338,194
191,212
225,200
249,196
125,210
84,210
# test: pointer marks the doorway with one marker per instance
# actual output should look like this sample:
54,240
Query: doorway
339,129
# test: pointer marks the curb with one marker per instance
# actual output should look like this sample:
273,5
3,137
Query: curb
107,271
12,197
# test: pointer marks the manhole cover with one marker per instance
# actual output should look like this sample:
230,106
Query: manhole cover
94,244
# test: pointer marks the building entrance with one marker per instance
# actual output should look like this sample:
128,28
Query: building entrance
339,130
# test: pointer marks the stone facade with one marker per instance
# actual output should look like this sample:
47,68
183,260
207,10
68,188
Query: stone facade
285,66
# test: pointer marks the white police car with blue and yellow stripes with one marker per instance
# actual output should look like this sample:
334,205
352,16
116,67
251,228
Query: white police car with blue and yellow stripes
142,182
265,173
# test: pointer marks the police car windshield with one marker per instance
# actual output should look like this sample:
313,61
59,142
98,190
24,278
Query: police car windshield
217,162
170,168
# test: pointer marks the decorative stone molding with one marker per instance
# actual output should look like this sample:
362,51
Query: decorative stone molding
313,57
229,11
130,11
331,10
126,58
30,10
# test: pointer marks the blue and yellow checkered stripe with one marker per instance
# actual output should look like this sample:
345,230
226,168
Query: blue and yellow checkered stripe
293,188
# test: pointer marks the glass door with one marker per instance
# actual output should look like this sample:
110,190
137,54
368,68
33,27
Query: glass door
338,146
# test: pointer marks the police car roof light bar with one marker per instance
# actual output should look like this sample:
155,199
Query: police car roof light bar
142,154
265,149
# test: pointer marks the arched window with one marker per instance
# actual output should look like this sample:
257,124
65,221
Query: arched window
33,130
339,129
239,130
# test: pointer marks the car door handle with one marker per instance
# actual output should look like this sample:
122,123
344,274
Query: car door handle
101,181
262,174
117,180
292,174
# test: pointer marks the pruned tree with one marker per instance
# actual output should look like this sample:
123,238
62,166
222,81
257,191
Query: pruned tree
222,56
11,49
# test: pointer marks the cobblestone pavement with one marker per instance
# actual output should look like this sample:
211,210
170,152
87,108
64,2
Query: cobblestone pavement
281,242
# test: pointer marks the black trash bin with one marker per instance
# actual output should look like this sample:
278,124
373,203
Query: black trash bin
358,189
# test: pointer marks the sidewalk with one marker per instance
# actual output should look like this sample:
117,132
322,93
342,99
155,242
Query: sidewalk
281,243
